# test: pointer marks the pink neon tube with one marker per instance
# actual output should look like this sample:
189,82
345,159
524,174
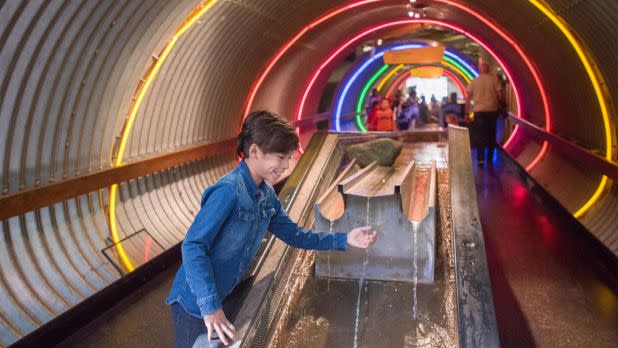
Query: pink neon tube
376,28
532,69
342,9
289,44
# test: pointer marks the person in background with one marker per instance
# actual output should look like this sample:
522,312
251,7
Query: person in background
423,111
375,97
396,101
384,120
227,232
434,109
401,115
412,96
451,107
371,115
485,93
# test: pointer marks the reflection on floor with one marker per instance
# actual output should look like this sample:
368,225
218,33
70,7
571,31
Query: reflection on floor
550,288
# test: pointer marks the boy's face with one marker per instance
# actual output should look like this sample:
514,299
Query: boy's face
269,166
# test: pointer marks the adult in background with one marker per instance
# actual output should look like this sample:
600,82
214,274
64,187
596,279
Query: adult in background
402,116
423,111
451,107
434,109
485,93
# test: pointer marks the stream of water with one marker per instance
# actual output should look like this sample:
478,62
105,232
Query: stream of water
360,283
415,225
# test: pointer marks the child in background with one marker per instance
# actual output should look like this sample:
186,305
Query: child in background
383,119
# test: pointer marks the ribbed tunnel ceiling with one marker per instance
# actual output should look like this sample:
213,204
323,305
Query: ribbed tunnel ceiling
82,63
70,70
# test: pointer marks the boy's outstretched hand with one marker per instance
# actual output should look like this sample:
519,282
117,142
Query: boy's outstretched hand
361,238
218,323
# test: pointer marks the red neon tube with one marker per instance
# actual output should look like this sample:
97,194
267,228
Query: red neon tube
375,28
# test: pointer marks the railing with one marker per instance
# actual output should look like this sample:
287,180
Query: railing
38,197
27,200
577,153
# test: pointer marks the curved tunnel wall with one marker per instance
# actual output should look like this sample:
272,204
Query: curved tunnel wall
70,70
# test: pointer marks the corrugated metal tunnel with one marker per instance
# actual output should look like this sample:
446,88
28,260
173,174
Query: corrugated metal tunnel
116,115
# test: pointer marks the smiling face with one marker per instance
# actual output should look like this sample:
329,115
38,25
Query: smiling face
385,105
267,165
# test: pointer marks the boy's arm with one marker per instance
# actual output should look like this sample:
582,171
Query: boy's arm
288,231
216,207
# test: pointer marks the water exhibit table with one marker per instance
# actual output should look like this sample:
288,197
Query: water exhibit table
404,291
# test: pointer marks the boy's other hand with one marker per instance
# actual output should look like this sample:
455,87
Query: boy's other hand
361,238
218,322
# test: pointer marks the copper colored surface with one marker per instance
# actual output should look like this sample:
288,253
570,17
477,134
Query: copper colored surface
331,203
379,182
324,313
29,200
419,207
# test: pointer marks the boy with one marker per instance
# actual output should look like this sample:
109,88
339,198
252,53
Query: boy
226,233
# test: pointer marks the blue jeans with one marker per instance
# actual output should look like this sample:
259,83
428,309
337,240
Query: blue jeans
190,332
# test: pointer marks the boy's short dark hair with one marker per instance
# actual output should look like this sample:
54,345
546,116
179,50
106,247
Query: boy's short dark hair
270,132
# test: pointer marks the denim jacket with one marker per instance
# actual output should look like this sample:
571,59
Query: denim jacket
225,236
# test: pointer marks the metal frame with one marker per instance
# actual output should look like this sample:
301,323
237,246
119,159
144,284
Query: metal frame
476,315
115,264
575,152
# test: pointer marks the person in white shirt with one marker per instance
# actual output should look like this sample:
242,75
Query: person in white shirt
485,93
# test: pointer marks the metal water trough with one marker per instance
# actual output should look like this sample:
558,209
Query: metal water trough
389,199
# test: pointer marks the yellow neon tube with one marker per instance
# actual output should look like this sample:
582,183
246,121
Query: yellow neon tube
195,14
592,199
454,68
388,76
597,90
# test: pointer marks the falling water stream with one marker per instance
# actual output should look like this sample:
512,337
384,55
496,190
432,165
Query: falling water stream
415,225
328,255
360,283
